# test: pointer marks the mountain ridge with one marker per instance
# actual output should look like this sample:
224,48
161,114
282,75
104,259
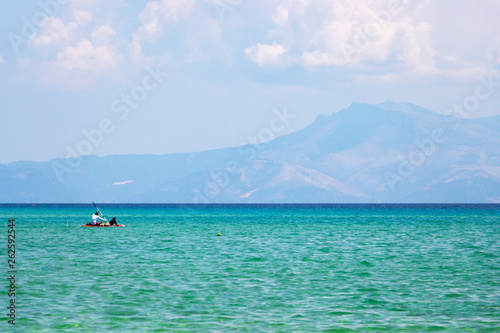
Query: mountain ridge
347,156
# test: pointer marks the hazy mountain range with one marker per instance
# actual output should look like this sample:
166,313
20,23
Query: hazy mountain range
390,152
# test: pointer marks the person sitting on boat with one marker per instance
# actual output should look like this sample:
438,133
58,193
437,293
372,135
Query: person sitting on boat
113,221
94,219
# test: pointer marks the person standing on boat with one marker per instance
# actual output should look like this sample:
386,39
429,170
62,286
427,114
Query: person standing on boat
94,219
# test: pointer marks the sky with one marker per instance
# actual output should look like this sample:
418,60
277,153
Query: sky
82,77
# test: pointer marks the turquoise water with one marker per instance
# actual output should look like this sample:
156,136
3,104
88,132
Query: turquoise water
344,268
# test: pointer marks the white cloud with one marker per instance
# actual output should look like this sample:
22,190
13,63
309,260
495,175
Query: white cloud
82,16
54,31
1,60
153,18
123,183
76,57
388,38
156,13
75,48
318,58
99,59
328,33
264,55
281,16
201,41
103,35
378,38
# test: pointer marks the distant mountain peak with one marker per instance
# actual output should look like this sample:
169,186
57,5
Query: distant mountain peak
405,107
342,157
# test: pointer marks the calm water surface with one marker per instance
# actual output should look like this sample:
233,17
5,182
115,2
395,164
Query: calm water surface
276,268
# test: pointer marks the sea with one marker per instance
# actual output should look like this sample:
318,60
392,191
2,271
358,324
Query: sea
274,268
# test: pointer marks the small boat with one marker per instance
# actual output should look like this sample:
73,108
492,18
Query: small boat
102,226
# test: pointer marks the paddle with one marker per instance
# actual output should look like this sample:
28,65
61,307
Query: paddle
98,210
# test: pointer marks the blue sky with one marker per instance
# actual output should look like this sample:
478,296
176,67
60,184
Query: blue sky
67,67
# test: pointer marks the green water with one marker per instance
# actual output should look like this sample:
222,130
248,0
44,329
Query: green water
274,269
